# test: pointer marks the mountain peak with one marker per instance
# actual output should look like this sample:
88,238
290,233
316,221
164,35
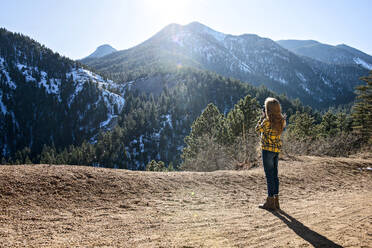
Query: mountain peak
104,46
197,27
101,51
194,28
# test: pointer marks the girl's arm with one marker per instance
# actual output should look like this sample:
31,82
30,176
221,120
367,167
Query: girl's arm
260,125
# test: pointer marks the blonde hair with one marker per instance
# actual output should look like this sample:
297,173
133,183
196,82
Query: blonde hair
273,114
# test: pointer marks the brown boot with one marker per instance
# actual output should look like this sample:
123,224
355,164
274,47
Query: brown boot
276,201
269,204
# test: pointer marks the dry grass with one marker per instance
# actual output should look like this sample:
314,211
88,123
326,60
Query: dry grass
342,145
242,154
327,203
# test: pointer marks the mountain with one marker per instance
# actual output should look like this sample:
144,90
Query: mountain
339,55
54,110
47,99
101,51
247,57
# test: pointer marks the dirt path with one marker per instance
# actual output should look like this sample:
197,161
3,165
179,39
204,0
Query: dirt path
326,202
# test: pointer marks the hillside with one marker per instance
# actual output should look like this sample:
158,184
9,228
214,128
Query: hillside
247,57
326,202
48,99
340,54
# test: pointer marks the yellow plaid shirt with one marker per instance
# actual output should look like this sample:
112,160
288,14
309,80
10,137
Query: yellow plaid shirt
270,141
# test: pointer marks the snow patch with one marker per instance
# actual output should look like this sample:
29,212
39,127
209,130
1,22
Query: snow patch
362,63
142,145
305,88
281,56
108,121
21,66
243,66
111,100
2,106
78,89
168,119
51,86
326,81
300,76
82,76
276,78
128,85
10,83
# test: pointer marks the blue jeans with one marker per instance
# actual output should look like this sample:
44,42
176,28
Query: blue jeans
270,163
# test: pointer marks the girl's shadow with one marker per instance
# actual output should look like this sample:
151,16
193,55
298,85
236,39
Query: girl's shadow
314,238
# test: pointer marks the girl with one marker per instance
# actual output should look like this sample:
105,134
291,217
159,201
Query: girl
270,126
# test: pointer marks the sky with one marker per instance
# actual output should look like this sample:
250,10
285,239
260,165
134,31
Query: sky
75,28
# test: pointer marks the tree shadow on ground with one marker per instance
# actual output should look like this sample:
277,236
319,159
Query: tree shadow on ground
314,238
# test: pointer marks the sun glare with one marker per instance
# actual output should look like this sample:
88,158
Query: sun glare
168,11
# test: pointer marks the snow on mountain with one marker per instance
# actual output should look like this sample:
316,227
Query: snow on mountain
79,76
50,100
202,29
82,76
254,59
110,94
114,102
247,57
340,54
361,62
2,106
10,83
258,60
301,77
51,85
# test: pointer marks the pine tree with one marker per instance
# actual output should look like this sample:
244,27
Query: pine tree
209,123
243,117
362,109
301,126
328,127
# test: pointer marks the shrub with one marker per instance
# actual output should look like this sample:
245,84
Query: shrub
343,144
158,166
214,156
